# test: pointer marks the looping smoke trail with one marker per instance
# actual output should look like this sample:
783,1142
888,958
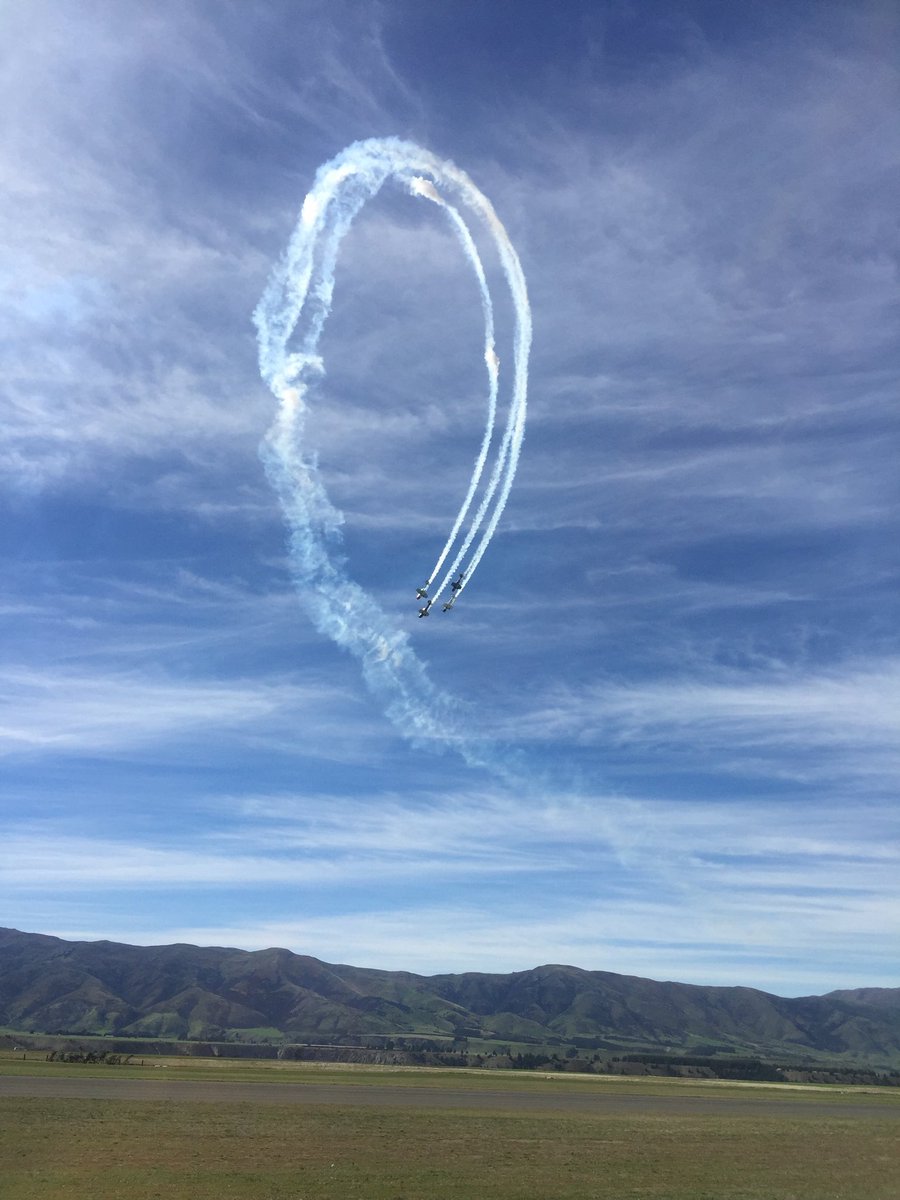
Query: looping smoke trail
493,369
290,318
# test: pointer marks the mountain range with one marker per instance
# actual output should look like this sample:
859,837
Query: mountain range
48,985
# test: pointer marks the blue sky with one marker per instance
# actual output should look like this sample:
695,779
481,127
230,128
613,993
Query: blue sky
683,643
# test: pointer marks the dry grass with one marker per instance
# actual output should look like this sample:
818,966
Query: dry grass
100,1150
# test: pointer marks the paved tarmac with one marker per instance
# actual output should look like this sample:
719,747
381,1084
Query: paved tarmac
605,1103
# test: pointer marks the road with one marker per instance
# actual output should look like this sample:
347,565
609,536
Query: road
607,1103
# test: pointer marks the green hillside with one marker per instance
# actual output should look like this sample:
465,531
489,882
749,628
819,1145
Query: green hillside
212,993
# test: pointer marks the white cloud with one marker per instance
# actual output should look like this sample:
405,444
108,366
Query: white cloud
67,712
49,859
711,892
845,717
788,950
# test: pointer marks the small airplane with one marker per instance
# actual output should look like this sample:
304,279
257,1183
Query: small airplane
457,583
423,611
422,592
448,605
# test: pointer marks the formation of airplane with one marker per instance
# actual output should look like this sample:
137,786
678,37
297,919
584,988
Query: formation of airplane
422,594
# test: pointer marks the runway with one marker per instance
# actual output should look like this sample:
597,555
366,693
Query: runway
606,1102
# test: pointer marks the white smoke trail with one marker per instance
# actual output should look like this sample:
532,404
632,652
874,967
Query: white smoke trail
510,450
493,368
511,446
505,468
290,318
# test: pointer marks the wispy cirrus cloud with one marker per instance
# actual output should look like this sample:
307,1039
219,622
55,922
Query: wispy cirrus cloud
840,722
48,859
57,712
653,939
744,887
137,261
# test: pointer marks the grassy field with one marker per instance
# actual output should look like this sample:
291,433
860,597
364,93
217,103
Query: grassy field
269,1070
55,1149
